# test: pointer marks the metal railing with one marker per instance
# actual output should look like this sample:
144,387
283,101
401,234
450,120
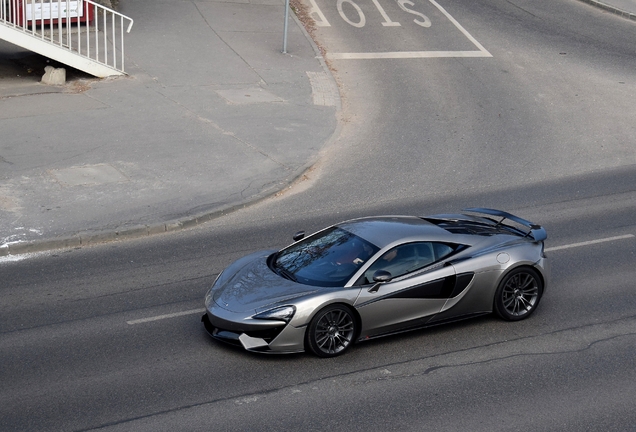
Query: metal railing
83,27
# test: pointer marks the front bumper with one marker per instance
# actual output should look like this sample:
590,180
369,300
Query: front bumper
270,337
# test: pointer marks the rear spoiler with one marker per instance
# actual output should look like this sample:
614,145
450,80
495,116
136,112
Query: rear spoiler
537,232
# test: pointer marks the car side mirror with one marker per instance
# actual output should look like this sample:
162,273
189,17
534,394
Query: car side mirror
299,235
380,277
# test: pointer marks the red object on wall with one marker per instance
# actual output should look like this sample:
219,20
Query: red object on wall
47,12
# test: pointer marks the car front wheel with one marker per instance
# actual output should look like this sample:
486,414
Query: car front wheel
518,294
331,331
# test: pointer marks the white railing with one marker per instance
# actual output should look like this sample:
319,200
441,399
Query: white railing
83,27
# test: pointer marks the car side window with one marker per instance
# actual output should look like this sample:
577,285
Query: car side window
442,250
407,258
402,259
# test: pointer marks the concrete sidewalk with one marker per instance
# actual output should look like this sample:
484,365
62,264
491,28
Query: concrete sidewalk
212,116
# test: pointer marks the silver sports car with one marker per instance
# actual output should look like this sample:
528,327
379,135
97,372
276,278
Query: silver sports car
375,276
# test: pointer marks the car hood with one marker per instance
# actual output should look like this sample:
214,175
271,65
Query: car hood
254,286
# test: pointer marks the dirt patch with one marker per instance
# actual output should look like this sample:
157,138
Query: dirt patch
34,64
301,9
302,12
27,68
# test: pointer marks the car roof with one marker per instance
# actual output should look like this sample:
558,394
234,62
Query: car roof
385,230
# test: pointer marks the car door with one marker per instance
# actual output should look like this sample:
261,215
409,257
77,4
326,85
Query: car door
418,290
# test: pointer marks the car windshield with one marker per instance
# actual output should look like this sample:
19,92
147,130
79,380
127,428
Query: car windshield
329,258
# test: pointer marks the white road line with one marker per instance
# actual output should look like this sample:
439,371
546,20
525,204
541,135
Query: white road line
405,55
461,29
556,248
166,316
590,242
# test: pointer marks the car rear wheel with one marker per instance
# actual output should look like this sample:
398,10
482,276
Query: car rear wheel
518,294
331,331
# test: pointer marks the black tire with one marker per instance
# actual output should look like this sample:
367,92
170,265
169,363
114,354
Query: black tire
331,332
518,294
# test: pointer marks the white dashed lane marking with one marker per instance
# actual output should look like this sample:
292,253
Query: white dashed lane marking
590,242
166,316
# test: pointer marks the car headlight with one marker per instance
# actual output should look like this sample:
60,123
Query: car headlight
217,278
284,313
209,294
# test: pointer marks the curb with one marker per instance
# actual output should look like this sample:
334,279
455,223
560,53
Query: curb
616,11
132,232
141,231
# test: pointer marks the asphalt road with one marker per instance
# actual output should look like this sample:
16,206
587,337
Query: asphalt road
554,100
109,337
77,353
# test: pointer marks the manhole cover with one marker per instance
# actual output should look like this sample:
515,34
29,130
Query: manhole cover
248,95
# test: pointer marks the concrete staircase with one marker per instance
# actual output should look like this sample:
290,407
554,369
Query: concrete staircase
79,33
